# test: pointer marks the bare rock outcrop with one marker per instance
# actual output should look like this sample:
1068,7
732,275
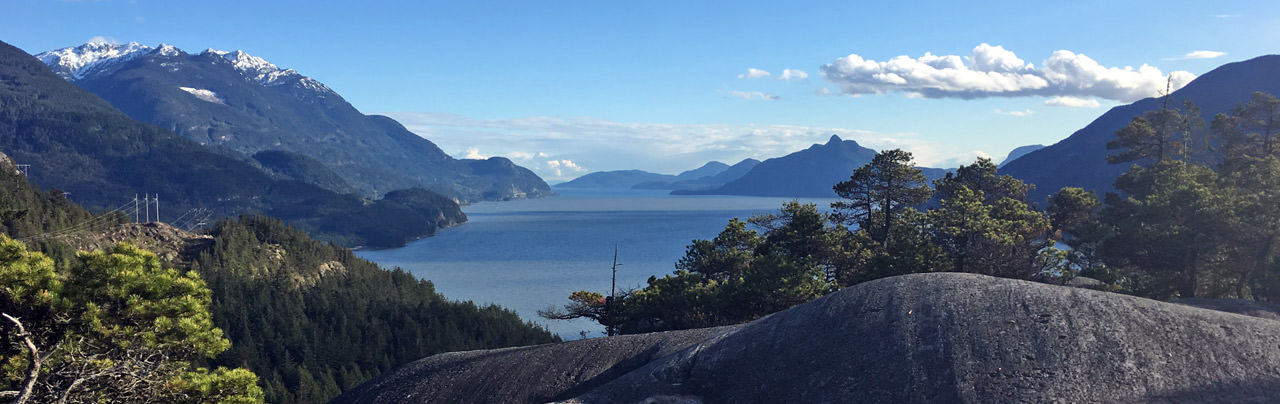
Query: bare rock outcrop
166,241
923,338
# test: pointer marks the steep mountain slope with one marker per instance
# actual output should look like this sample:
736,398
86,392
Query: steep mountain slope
1019,152
807,173
293,166
923,338
245,104
80,144
28,214
1080,160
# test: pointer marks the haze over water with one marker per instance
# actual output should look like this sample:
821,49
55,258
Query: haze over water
530,254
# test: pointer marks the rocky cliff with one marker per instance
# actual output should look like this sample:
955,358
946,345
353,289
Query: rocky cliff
918,338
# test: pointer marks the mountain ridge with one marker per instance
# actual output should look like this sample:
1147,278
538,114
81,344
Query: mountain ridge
240,105
710,174
77,142
1080,159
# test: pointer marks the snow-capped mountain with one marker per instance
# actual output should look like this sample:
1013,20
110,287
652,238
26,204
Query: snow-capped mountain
76,63
244,105
265,72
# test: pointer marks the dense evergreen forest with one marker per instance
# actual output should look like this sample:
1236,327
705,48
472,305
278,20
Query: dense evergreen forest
1197,215
309,318
314,320
103,326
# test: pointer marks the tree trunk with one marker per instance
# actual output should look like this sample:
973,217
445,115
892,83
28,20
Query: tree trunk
33,370
1259,262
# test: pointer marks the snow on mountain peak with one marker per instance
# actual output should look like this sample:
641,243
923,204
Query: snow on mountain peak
168,50
75,62
266,73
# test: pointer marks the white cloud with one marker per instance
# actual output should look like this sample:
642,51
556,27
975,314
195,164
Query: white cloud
1027,112
561,167
519,155
754,95
1203,54
103,39
473,153
993,71
1064,101
568,147
793,75
753,73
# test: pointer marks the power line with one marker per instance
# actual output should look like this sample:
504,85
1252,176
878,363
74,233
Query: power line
97,220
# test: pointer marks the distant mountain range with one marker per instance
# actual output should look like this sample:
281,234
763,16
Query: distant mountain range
242,105
710,175
1080,160
618,179
78,143
810,172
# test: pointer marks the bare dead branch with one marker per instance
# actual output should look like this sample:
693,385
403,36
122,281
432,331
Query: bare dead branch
33,370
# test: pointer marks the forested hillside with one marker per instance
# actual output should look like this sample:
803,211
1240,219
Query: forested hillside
311,319
314,320
27,213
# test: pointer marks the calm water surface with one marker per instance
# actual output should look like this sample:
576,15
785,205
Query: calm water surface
529,255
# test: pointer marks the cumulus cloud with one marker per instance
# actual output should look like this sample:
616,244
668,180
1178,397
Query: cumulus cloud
993,71
473,153
754,95
560,167
823,91
1064,101
1203,54
560,149
753,73
793,75
524,156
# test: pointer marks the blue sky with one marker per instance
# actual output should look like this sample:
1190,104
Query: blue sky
565,87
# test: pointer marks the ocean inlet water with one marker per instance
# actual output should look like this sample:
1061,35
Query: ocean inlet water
531,254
